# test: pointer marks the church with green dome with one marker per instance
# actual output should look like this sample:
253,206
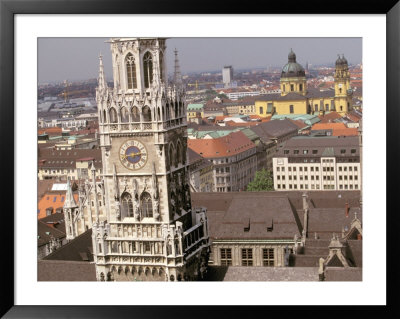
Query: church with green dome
297,98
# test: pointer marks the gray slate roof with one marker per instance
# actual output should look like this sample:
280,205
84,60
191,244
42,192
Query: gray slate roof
274,129
78,249
62,270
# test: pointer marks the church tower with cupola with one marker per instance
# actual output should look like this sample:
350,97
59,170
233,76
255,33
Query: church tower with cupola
293,77
151,231
343,91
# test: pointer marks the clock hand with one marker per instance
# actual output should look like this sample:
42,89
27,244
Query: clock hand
133,154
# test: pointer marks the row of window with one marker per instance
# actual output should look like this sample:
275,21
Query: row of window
268,255
133,114
312,168
222,170
294,177
296,152
316,169
292,87
341,186
305,186
317,186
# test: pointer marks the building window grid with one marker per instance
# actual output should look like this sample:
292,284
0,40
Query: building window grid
247,257
226,256
268,257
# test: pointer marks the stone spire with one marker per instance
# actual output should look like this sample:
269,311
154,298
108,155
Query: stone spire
96,205
177,70
69,198
102,79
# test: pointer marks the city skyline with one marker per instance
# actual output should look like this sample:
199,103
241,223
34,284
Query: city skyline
77,58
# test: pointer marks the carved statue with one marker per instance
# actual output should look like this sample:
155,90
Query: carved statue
136,208
118,208
156,209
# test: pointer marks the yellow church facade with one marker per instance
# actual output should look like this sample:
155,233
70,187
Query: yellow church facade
296,98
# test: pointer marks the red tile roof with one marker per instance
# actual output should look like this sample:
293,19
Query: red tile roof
345,132
50,131
229,145
338,129
329,117
52,200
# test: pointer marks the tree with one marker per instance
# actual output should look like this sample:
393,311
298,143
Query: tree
222,96
263,181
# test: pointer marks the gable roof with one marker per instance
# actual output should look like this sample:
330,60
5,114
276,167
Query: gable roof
275,129
248,215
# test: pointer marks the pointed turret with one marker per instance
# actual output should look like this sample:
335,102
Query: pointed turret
102,79
177,71
69,198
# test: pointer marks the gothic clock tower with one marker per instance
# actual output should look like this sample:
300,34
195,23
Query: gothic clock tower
151,231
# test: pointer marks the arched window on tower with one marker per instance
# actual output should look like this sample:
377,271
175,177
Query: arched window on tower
146,114
178,157
161,66
135,114
171,155
167,111
130,71
124,115
113,115
148,69
127,206
146,205
176,110
181,106
104,116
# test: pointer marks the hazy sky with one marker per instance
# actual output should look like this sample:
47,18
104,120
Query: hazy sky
77,58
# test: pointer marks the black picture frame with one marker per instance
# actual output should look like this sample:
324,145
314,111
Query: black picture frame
8,10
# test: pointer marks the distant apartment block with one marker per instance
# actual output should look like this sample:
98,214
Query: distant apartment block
227,75
67,123
238,95
318,163
234,158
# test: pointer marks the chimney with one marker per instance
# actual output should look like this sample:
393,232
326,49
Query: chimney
347,209
305,204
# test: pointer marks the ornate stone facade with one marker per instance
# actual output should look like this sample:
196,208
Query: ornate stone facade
149,230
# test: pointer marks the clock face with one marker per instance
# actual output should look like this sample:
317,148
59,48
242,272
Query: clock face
133,155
